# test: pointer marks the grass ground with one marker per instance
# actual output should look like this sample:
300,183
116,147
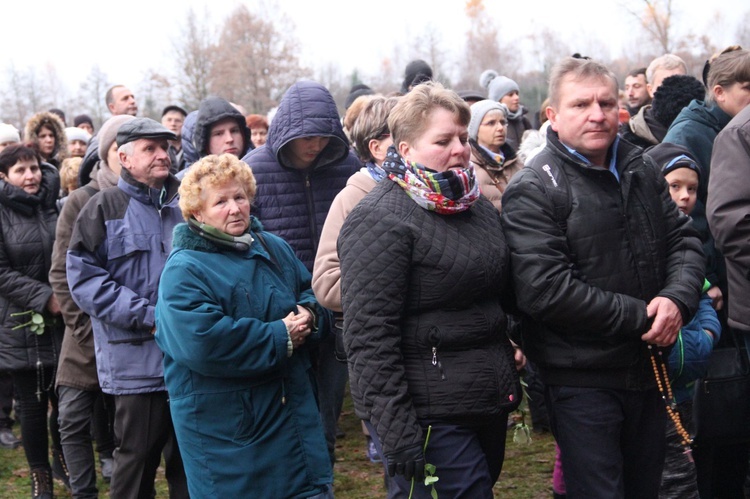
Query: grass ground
526,473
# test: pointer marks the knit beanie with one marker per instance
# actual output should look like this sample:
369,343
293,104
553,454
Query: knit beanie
74,133
108,133
669,157
417,71
497,86
83,118
479,110
9,133
675,93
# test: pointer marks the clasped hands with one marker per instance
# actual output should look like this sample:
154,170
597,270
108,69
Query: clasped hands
299,325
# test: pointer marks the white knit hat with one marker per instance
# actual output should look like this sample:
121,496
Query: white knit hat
9,133
479,110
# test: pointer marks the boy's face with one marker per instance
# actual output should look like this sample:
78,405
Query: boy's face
683,187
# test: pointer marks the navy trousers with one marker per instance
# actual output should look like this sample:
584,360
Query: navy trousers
468,459
612,442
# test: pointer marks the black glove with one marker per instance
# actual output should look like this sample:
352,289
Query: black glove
408,462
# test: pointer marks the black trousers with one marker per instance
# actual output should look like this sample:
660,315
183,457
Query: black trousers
35,394
612,442
143,429
6,399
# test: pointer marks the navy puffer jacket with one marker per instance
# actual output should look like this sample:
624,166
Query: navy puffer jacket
293,203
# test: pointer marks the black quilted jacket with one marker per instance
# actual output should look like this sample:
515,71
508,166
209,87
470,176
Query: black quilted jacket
423,326
586,287
27,232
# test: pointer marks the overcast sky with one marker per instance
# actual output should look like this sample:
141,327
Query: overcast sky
128,37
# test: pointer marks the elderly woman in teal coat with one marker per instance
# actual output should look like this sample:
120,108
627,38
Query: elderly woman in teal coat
234,317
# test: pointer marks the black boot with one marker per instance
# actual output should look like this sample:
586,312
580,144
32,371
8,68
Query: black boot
41,484
60,469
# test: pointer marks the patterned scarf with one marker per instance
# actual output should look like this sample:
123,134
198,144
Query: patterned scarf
447,192
375,171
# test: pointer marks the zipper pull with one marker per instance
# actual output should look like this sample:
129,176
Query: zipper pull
436,362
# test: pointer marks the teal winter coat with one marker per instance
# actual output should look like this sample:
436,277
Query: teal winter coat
244,411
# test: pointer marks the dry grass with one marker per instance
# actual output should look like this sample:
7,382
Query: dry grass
526,473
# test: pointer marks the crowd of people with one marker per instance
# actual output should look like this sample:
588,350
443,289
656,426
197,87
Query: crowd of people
204,289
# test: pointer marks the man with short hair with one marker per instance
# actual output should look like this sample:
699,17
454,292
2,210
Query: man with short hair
636,90
120,100
606,270
661,68
173,117
220,129
120,243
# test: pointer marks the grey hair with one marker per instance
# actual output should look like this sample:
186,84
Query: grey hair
128,148
666,61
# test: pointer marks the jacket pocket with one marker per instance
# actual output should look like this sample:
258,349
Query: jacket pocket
244,418
120,246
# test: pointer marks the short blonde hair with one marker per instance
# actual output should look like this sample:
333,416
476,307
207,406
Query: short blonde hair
408,119
731,66
69,174
213,171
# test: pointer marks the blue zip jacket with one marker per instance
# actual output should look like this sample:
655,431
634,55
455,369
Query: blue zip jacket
120,243
689,357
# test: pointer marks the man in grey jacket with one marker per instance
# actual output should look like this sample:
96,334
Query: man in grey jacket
120,243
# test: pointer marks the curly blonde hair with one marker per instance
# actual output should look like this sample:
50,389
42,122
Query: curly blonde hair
210,172
69,174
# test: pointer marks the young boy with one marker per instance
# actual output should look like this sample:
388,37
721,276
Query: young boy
688,359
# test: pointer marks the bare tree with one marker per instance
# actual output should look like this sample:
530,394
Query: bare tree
482,50
743,31
155,92
256,59
655,19
90,98
193,56
24,94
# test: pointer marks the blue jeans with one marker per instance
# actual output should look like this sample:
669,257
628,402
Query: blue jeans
468,459
612,442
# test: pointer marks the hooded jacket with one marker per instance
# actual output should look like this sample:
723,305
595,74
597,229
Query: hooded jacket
31,134
290,202
120,243
27,227
695,128
211,111
585,281
643,129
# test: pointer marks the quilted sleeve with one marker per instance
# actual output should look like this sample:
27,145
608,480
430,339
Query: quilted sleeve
375,248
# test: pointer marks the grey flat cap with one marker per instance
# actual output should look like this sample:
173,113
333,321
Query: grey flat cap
142,128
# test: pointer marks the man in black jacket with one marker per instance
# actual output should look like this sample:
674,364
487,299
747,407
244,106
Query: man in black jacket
606,270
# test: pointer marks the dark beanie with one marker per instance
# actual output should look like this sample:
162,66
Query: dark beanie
675,93
357,91
669,157
416,72
83,118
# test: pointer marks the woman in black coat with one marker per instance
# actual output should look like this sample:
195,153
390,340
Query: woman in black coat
28,191
424,266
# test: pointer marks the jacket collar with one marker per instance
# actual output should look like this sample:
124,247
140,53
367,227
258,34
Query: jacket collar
148,195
